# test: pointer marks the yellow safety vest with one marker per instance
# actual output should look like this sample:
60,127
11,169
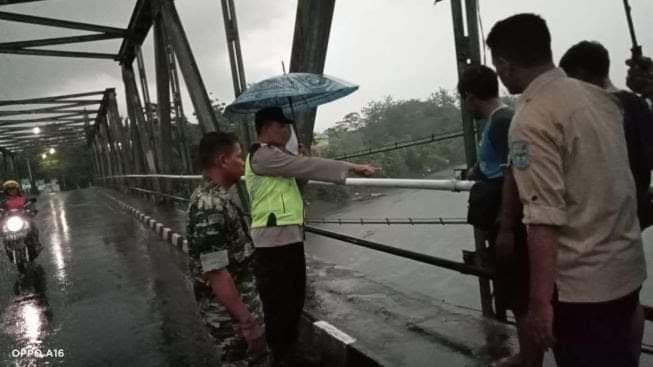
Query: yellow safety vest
273,195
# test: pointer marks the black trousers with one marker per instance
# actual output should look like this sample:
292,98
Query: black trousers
281,282
596,334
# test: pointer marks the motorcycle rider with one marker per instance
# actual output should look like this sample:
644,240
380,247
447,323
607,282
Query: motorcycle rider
15,200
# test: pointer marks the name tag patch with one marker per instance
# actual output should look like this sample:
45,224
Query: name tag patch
214,260
519,155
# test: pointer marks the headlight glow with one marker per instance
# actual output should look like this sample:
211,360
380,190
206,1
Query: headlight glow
15,224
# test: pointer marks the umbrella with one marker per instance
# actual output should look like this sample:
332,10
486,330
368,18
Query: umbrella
292,92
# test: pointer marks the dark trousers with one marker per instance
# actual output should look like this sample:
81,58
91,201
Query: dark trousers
596,334
281,282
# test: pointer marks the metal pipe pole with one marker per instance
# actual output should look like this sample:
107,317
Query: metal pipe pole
31,177
427,259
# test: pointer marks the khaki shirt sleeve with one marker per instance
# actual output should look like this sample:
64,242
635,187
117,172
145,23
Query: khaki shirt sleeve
536,159
272,161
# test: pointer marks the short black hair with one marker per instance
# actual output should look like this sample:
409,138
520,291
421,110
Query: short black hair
215,143
267,115
589,56
479,81
522,39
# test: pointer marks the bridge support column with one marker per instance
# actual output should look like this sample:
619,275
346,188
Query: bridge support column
309,48
236,62
180,118
468,52
150,121
205,114
163,101
142,148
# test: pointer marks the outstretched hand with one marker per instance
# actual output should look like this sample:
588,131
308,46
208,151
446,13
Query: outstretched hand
366,170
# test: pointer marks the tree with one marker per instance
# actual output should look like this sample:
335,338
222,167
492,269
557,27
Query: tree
388,121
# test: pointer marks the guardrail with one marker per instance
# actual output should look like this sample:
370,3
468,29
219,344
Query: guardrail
452,185
395,183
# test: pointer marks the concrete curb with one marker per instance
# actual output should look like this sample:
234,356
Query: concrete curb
333,345
164,232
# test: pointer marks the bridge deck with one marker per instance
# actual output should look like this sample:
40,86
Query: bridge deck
108,292
105,290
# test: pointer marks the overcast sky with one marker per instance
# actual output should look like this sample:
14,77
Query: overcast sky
402,48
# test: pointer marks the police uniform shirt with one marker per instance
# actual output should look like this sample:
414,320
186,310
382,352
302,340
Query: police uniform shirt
273,161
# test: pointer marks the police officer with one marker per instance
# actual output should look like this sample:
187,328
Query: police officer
277,210
221,252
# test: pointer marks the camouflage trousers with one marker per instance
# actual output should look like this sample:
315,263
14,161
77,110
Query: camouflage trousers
228,337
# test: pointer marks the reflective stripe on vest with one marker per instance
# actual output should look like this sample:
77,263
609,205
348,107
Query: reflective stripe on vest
273,195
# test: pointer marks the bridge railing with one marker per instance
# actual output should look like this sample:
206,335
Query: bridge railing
475,263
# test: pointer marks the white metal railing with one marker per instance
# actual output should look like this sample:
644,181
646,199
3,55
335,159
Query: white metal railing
397,183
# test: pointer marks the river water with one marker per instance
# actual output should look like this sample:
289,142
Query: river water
437,240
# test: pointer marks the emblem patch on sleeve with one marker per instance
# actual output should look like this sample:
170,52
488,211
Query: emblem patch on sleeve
214,260
519,155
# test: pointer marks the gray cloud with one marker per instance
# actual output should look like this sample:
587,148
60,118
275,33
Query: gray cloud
400,48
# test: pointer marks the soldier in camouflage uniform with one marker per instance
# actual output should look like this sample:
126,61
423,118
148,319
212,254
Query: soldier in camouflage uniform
221,250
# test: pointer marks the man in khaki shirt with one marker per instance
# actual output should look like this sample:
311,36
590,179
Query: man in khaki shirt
570,165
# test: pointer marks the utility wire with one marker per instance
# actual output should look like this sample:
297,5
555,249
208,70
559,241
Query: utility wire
402,145
388,221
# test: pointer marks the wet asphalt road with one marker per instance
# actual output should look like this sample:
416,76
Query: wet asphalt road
104,292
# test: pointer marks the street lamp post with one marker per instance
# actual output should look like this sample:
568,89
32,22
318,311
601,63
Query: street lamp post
31,178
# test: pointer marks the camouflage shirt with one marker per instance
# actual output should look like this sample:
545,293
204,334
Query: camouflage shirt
218,239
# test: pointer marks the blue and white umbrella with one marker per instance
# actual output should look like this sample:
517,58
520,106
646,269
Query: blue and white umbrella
292,92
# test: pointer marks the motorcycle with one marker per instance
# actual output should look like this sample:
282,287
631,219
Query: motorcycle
15,233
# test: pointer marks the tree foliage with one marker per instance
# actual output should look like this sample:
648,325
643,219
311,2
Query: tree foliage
388,121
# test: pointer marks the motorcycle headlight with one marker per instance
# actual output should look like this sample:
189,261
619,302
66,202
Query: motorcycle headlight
15,224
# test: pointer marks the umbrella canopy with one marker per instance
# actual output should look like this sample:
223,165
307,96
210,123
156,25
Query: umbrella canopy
292,92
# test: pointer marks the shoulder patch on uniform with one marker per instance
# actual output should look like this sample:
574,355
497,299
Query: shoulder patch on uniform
214,260
519,154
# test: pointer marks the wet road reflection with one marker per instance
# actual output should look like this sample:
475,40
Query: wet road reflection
103,292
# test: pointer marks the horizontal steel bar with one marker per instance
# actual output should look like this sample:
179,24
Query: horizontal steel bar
401,145
45,119
57,53
59,40
51,22
44,110
55,99
426,259
8,2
